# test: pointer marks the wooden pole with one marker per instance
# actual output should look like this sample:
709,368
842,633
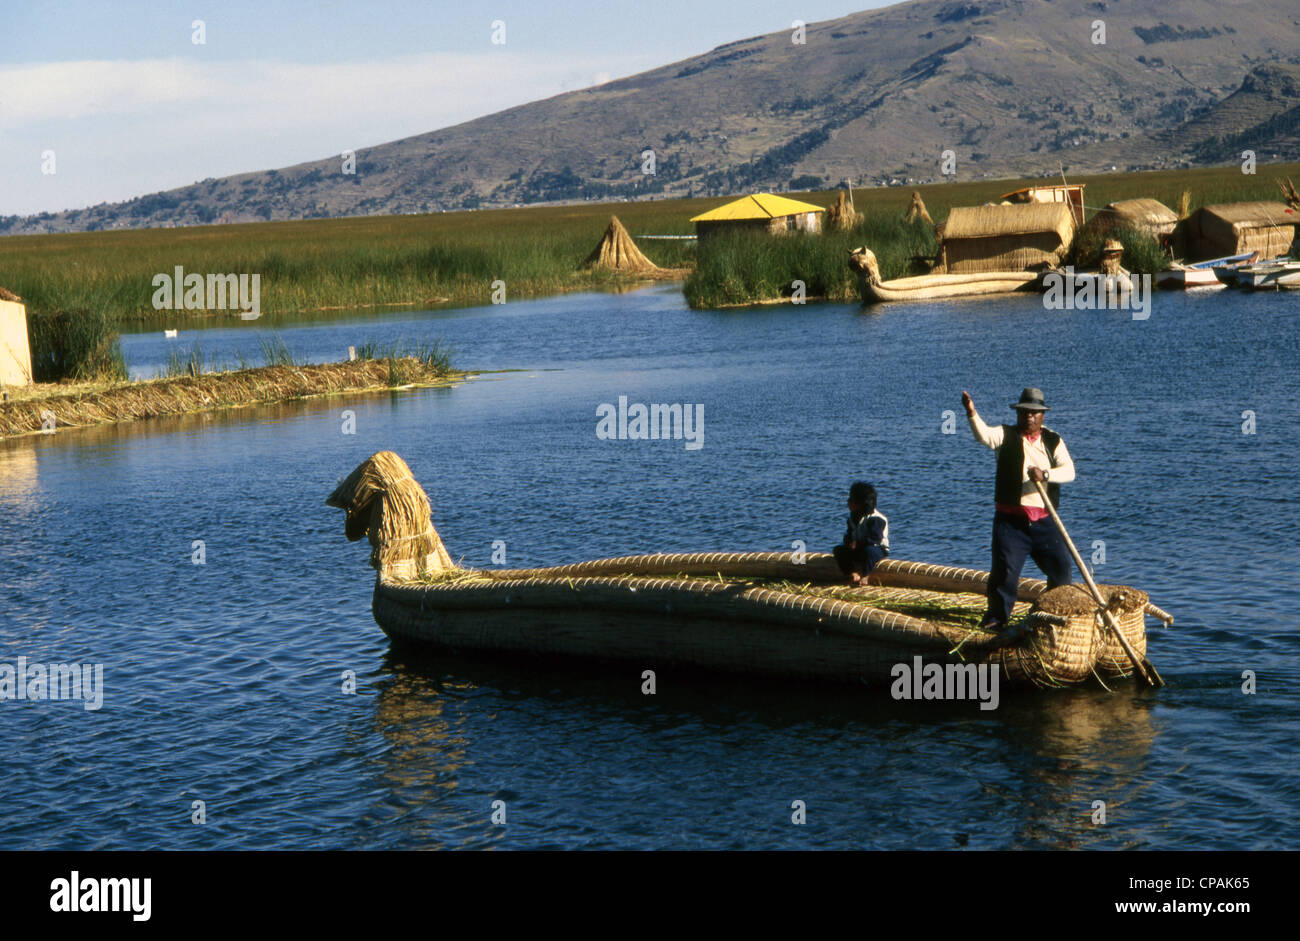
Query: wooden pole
1144,668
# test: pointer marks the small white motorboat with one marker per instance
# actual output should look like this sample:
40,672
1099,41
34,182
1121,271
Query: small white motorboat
1213,273
1271,275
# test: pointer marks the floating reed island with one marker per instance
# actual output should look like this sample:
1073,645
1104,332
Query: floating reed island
765,613
57,405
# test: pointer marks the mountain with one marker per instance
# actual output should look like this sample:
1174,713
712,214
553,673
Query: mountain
1011,87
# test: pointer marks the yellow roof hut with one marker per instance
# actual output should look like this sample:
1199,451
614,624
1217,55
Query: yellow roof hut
763,212
15,352
1237,228
1019,237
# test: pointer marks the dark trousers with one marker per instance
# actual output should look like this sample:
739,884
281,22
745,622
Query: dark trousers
1014,537
861,560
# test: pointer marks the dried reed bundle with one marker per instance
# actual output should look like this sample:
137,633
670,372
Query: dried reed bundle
842,217
1289,193
383,500
916,210
618,252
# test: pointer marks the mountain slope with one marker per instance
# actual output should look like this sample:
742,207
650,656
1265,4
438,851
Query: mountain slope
1012,87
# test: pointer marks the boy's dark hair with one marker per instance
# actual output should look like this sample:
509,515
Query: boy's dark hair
862,492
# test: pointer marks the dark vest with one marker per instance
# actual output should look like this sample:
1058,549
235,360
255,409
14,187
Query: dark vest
1011,466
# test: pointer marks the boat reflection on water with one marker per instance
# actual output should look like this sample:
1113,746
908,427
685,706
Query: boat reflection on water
950,775
1076,748
421,714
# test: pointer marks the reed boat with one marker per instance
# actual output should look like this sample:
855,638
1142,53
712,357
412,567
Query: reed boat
927,287
778,614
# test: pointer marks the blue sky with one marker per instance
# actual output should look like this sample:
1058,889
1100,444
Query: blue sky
129,104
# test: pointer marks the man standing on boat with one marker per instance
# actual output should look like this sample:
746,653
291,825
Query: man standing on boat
1026,452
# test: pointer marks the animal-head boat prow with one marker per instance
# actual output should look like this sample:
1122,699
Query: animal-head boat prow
383,499
863,261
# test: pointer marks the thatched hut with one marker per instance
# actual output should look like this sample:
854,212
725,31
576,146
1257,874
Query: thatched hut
1144,215
617,252
1237,228
761,212
1005,238
15,350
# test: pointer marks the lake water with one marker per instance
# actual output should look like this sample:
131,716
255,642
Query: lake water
223,680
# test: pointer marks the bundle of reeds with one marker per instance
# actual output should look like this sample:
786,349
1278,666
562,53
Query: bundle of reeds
383,500
841,216
617,252
916,210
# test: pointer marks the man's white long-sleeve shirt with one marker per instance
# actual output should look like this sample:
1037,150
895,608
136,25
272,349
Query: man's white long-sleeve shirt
1059,472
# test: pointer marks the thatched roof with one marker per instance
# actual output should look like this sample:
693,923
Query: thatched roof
1252,215
618,252
965,222
1141,212
383,500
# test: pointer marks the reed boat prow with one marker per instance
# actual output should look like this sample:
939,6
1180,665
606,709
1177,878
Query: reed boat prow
777,614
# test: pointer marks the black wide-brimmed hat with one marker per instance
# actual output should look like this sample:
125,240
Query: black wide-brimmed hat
1031,400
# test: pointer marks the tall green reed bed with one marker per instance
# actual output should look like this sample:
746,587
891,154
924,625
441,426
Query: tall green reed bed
1142,253
76,343
339,263
747,267
454,258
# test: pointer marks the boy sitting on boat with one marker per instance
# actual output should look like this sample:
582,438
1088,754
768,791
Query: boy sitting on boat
866,541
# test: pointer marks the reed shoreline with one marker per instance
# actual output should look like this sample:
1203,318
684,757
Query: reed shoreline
73,405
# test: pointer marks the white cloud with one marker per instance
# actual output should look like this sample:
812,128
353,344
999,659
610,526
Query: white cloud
154,124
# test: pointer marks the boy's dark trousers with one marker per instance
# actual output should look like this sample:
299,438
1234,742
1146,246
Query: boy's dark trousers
861,560
1014,537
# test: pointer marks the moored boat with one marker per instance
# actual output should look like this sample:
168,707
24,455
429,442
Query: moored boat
933,286
1212,273
1187,277
766,613
1268,275
1099,284
1228,268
